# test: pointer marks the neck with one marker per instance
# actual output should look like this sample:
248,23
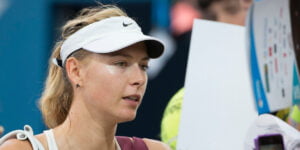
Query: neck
83,130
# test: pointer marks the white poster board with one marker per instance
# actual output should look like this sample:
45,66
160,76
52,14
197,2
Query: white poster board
273,67
218,105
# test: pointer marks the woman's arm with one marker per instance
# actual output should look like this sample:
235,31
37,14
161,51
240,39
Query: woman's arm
156,145
14,144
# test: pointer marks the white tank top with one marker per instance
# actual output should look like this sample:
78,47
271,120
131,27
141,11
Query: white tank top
50,140
27,134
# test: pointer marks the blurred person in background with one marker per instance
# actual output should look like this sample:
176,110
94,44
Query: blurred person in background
227,11
97,79
182,16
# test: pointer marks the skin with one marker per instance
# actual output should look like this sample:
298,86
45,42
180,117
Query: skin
101,101
1,130
222,15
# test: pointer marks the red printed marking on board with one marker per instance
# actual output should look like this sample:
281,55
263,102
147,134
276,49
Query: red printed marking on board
276,65
270,51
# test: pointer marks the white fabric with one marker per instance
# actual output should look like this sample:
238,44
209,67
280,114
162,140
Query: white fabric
109,35
269,124
27,134
51,140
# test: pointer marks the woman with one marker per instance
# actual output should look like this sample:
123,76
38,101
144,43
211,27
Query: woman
96,80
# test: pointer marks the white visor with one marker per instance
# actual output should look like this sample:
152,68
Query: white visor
109,35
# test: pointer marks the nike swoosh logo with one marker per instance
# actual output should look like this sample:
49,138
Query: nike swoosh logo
126,24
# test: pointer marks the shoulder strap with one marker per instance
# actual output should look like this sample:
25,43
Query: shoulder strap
134,143
26,134
139,144
50,140
124,142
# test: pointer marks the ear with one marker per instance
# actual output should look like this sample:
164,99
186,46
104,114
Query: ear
73,70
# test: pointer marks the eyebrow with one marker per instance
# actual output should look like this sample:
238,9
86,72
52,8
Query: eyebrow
126,55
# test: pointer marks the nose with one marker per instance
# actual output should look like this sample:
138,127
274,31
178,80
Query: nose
138,76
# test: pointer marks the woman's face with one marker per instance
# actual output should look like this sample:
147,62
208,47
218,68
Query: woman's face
114,84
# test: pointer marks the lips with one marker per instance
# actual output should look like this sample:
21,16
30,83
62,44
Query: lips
135,98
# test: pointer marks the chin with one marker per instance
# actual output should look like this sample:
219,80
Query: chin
126,117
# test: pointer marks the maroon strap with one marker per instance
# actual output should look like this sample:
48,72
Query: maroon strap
134,143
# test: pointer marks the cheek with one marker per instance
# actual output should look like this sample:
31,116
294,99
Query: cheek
104,81
145,85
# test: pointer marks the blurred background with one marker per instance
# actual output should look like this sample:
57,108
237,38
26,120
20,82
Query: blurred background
29,30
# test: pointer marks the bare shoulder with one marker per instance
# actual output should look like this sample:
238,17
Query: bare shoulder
14,144
156,145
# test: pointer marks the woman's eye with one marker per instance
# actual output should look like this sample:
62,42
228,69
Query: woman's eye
121,64
145,67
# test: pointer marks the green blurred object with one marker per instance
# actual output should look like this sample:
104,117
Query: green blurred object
283,114
171,119
295,114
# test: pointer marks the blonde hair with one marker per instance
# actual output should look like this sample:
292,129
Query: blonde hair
57,96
